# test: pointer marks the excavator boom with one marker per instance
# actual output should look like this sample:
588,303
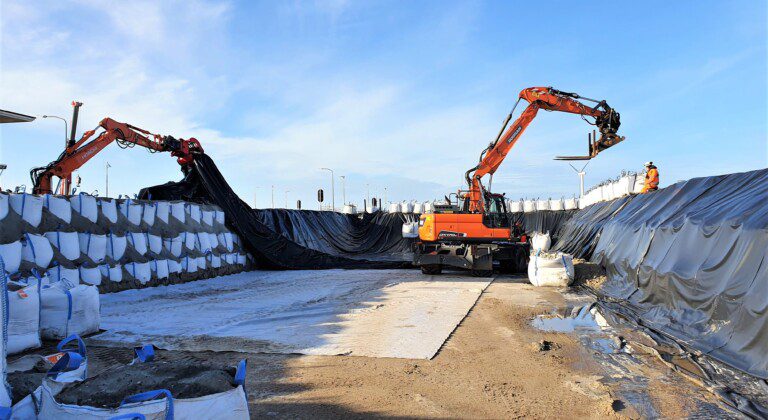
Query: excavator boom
126,136
606,119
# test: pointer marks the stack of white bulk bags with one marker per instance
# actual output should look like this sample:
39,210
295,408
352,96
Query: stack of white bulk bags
418,208
68,309
67,243
23,316
109,209
85,205
529,206
551,269
132,211
395,208
29,207
570,203
59,207
11,255
37,250
93,246
556,205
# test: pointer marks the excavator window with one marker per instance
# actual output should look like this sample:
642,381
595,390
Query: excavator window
496,216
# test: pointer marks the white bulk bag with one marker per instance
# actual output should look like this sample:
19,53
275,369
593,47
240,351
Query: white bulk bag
529,206
639,183
202,263
59,206
418,208
556,205
190,240
203,242
59,273
37,250
174,267
549,269
208,217
149,213
67,243
11,255
140,271
542,205
160,268
214,261
230,258
219,217
29,207
132,211
406,207
3,207
174,245
94,246
194,212
162,210
395,208
178,211
624,186
85,205
570,204
189,265
241,259
111,273
411,230
23,316
540,242
515,206
429,207
155,243
225,238
68,309
138,241
116,246
231,404
213,239
90,275
109,209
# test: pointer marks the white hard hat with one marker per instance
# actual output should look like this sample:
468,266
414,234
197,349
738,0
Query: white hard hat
648,163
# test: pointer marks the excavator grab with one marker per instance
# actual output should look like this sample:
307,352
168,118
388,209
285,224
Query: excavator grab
76,154
475,233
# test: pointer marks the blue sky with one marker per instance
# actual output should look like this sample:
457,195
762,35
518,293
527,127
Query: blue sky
402,95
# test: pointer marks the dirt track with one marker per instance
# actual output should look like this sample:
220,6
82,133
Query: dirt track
493,366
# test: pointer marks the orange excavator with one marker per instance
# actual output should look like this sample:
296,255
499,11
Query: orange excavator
77,153
475,233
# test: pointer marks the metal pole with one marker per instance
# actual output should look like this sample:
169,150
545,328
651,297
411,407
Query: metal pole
385,194
333,188
343,190
273,196
367,195
107,176
286,198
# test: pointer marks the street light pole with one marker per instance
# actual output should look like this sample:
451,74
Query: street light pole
333,192
273,196
368,197
343,190
385,194
106,168
286,198
66,141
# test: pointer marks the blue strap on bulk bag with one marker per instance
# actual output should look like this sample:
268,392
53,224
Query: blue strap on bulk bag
145,353
149,395
70,360
129,416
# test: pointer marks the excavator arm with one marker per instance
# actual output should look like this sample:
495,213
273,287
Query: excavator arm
126,135
549,99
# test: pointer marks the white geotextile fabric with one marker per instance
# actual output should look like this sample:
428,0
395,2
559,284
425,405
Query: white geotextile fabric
378,313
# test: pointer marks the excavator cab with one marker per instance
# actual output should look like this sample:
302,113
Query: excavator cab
495,215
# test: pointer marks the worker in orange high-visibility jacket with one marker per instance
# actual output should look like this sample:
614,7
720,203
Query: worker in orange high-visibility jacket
651,178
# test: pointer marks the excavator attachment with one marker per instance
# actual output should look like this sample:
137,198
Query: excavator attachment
606,140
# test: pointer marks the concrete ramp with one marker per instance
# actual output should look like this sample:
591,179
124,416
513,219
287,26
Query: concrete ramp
377,313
